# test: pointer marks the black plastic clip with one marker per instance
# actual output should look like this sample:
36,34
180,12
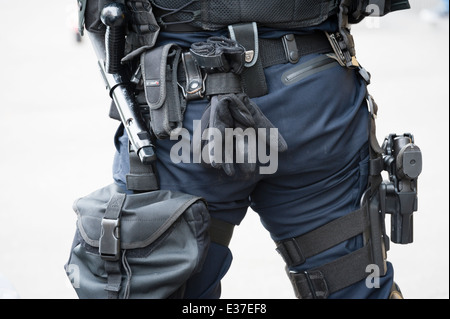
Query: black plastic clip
343,54
109,244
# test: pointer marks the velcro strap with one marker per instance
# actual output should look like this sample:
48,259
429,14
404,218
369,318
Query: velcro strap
223,83
220,232
296,250
320,282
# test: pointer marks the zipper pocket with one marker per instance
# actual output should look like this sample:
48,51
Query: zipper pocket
313,66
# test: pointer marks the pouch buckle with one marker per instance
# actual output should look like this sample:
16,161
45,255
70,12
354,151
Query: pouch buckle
109,244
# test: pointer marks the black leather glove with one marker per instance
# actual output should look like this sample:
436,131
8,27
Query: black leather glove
237,113
231,109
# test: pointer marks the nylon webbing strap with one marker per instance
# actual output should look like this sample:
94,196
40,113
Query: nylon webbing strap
113,270
320,282
296,250
272,51
223,83
220,232
109,246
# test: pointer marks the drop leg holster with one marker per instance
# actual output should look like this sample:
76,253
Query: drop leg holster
402,159
324,280
397,197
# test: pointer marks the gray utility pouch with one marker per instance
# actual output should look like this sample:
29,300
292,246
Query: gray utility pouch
138,246
163,93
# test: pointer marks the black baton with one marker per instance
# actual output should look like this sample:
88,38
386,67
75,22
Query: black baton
110,51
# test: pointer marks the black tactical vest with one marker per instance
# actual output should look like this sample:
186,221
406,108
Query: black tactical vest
217,14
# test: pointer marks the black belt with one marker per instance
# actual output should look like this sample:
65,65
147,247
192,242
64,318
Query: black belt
259,54
274,51
290,48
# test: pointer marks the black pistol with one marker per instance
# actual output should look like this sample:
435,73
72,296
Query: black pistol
403,162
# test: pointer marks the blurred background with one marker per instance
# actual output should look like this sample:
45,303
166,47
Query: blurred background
57,145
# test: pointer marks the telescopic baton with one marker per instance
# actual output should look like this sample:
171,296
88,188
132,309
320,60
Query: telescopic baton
110,50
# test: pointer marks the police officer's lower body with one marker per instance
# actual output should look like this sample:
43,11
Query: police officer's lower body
321,177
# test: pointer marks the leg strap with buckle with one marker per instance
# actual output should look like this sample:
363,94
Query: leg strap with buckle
321,281
296,250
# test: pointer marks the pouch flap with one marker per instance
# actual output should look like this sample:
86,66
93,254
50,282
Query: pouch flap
154,72
144,218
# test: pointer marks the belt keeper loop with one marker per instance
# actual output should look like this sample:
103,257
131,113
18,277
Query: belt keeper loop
290,48
291,252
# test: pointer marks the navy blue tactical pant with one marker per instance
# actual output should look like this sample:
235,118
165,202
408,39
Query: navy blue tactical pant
322,175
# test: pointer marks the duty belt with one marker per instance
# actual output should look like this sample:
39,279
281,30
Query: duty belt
261,53
287,49
292,47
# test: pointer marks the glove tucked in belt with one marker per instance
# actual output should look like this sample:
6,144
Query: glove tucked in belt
229,108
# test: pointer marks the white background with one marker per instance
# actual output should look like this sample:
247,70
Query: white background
56,145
